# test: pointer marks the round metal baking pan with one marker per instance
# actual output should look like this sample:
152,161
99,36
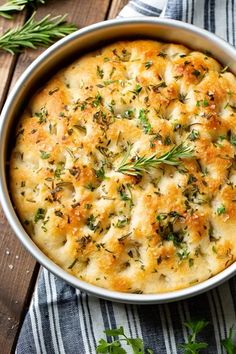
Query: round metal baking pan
57,56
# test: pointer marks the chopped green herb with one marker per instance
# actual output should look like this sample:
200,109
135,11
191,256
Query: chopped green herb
91,223
202,103
148,64
221,210
162,54
228,344
183,97
90,187
59,213
42,115
39,215
98,100
129,114
51,92
100,173
123,56
159,85
144,121
44,155
196,73
194,135
137,89
59,169
167,140
123,192
100,72
122,222
183,254
73,264
81,128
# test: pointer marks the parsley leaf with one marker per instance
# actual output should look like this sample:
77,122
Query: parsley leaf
228,344
192,346
115,347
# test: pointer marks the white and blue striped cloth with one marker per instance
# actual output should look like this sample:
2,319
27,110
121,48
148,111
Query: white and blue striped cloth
62,320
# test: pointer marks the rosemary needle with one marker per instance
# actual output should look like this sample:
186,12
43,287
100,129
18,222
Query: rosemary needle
16,5
35,33
139,165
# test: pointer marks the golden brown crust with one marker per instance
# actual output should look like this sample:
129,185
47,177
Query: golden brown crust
169,228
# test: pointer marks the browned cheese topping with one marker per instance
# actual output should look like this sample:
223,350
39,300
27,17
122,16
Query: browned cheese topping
124,169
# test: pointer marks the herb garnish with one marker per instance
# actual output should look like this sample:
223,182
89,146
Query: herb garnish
196,73
148,64
100,72
194,135
35,33
221,210
193,346
202,103
16,5
137,344
122,190
228,344
44,155
39,215
137,89
42,115
139,165
144,121
98,100
91,223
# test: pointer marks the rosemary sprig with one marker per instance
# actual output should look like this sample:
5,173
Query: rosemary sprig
16,5
138,165
35,33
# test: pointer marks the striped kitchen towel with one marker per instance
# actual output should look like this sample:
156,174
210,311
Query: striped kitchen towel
63,320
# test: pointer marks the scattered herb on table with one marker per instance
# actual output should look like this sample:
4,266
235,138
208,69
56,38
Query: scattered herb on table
11,6
115,346
35,33
228,344
192,346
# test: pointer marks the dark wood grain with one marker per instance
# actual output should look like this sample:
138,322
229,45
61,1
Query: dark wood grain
18,269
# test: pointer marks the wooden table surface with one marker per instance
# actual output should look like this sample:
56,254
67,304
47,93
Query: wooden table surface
19,270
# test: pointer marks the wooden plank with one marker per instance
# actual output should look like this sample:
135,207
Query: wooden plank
81,13
7,61
116,7
18,268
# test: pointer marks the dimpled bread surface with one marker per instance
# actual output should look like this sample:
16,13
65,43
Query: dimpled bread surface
166,228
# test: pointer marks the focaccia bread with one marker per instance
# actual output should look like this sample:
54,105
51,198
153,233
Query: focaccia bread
124,172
